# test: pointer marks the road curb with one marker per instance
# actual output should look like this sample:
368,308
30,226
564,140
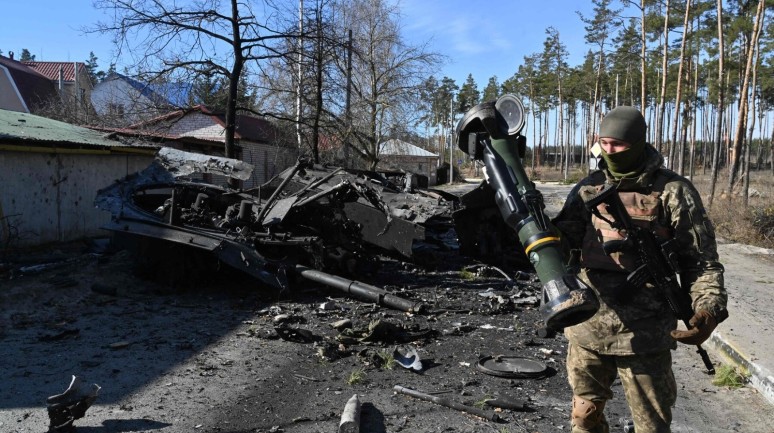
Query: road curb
761,377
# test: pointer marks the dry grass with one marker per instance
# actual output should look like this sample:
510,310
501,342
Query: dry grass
357,376
752,224
387,359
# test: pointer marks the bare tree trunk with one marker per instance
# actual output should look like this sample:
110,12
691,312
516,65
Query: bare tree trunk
545,135
664,66
709,144
584,148
319,65
231,101
683,141
746,176
561,125
593,123
587,128
691,168
756,62
540,139
727,127
534,130
719,122
739,132
678,93
300,83
771,152
558,149
643,55
743,101
763,121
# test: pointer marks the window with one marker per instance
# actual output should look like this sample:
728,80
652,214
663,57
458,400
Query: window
115,109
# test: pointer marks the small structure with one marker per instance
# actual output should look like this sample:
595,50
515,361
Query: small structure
396,154
23,88
51,173
258,141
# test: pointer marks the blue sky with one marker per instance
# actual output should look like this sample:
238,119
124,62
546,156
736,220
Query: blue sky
491,38
483,38
50,30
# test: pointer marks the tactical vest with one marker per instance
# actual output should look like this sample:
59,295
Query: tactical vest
646,210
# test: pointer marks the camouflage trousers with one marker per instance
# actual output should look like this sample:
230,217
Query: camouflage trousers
647,380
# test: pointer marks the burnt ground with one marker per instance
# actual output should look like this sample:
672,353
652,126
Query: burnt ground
209,358
205,355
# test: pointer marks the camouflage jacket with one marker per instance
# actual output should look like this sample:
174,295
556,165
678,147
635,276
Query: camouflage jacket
639,321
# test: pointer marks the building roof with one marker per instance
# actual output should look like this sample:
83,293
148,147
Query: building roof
175,94
34,88
51,69
248,128
27,129
395,147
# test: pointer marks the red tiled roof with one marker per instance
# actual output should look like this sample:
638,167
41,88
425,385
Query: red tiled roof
51,69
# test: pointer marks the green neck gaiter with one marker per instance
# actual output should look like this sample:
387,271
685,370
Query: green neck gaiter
625,124
627,163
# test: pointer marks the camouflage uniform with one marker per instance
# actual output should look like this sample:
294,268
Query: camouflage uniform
630,334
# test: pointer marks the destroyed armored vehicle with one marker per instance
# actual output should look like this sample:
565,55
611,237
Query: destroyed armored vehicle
307,218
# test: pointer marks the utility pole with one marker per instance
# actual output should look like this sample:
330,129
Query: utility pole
451,139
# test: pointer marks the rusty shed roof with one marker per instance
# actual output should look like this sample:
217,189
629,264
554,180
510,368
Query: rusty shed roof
27,129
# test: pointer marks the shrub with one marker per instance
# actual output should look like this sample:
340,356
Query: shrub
356,376
730,377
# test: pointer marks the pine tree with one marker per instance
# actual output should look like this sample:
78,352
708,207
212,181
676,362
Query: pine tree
95,76
492,90
468,96
26,56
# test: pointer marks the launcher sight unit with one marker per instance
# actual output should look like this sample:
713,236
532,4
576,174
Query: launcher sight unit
490,132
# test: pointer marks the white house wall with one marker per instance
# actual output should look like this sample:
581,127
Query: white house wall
119,92
198,125
10,99
50,197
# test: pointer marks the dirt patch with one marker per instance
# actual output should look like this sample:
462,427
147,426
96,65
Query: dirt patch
210,357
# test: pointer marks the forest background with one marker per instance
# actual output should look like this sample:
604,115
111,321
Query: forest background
341,77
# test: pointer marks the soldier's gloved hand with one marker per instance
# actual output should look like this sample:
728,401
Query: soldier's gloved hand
702,324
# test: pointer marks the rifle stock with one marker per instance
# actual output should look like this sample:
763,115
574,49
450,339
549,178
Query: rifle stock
658,263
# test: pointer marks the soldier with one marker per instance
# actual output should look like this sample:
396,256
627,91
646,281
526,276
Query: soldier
634,330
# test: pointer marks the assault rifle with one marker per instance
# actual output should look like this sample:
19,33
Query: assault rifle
658,261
